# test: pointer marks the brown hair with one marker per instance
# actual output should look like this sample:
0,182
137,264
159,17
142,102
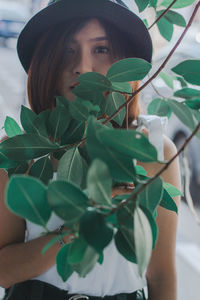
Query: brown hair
49,61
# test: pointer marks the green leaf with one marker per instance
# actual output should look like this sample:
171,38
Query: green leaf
70,167
168,202
142,4
85,92
26,197
84,153
62,101
94,80
143,239
167,79
101,259
95,230
55,239
63,267
178,4
79,111
77,250
26,146
172,190
129,69
89,259
58,121
42,169
20,168
151,217
165,27
151,196
193,103
27,118
81,256
40,123
187,93
50,244
182,81
140,171
97,100
175,18
121,167
130,143
94,109
153,3
159,107
145,23
58,154
124,247
67,201
11,127
125,234
123,87
6,163
190,70
74,132
182,112
113,102
99,183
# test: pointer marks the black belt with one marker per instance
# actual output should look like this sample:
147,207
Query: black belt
39,290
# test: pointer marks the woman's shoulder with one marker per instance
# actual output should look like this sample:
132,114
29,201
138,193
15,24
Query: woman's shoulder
168,145
169,148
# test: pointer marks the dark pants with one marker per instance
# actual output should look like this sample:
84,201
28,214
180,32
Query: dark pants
38,290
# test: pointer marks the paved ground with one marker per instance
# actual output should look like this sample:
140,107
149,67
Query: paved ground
188,255
12,84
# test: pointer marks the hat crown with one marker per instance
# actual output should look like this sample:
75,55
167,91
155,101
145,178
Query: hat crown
53,1
114,1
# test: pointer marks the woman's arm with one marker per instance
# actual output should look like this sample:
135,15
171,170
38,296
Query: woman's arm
161,273
20,261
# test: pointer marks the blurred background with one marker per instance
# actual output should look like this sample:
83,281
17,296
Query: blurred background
14,15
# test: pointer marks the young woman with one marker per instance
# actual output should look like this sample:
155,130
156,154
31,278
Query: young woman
63,41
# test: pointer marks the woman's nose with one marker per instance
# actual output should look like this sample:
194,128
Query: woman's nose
84,65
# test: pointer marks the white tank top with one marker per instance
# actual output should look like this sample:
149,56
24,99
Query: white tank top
116,275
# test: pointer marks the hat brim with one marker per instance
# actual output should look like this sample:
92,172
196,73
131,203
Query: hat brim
65,10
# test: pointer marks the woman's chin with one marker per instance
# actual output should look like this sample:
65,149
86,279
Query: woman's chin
69,96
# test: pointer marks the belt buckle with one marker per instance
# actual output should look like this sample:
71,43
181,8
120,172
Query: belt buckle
78,296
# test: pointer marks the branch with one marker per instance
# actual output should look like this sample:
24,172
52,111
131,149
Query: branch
157,92
164,13
161,67
133,197
131,98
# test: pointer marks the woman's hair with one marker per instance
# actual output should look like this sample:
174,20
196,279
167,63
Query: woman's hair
50,60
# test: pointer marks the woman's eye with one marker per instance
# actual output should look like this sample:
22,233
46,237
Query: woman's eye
70,50
102,49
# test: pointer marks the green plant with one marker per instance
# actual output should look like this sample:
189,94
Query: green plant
94,157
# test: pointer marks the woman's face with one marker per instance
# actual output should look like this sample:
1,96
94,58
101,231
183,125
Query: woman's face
87,51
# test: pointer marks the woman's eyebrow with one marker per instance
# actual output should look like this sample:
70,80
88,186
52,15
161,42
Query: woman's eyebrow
100,38
95,39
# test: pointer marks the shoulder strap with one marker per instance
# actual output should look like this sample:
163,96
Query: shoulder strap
156,126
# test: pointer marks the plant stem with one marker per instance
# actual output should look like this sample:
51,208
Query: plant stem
161,67
133,197
157,92
164,13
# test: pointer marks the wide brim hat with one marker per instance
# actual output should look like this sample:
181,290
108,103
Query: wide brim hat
59,11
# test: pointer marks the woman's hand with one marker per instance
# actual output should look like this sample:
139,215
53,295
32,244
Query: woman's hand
122,189
68,237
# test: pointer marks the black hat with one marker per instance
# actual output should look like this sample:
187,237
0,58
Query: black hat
59,11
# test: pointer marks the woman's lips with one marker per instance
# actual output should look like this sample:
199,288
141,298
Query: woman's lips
74,85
